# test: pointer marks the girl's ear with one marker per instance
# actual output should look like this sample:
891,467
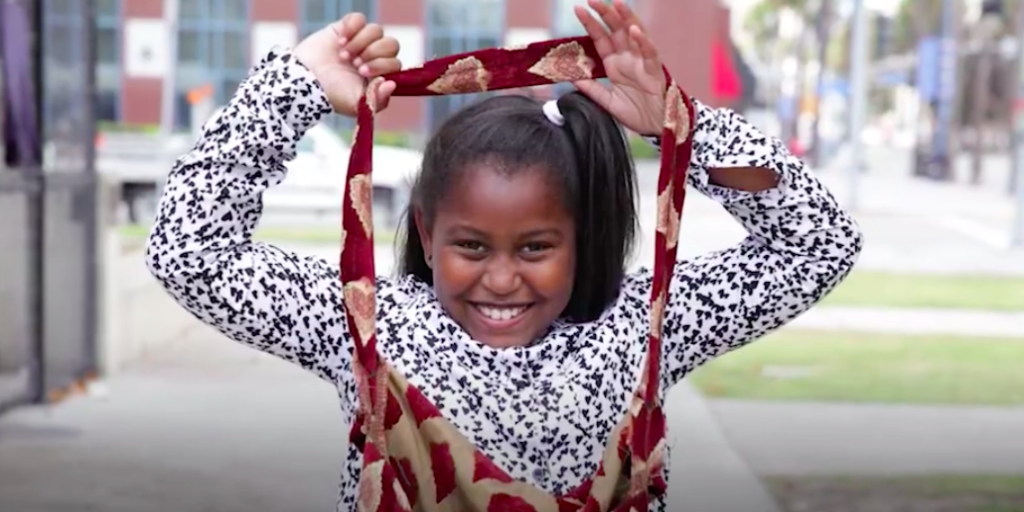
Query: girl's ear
425,236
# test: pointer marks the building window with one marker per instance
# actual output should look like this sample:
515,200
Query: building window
108,60
458,26
317,14
64,23
213,48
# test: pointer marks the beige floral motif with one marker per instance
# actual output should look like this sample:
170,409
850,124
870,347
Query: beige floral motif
565,63
638,403
463,76
361,304
658,314
657,459
371,487
403,500
639,468
677,115
642,469
344,235
361,193
668,218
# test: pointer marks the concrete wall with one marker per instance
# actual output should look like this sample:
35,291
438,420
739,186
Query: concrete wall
138,315
14,282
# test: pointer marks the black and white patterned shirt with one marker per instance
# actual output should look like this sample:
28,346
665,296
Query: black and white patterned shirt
542,412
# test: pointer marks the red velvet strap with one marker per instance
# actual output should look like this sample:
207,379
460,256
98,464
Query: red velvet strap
561,60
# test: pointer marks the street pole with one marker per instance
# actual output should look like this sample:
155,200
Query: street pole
858,97
824,19
946,93
1017,235
170,78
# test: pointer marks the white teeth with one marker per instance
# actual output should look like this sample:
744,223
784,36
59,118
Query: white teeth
501,313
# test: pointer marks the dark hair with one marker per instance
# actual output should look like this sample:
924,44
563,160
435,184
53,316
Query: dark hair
589,156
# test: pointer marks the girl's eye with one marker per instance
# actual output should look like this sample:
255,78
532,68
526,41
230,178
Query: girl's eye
470,245
536,247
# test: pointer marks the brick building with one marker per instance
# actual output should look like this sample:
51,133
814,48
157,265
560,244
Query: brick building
219,39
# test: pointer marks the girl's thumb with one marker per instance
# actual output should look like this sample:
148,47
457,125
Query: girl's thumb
384,91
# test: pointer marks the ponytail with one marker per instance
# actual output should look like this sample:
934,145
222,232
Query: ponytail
606,211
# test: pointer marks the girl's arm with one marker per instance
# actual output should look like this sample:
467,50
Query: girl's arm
801,244
200,247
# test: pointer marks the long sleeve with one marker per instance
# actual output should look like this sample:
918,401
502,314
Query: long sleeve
200,247
801,243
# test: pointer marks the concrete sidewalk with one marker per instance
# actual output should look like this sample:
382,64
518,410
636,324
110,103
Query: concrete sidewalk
708,473
873,439
200,426
207,425
914,321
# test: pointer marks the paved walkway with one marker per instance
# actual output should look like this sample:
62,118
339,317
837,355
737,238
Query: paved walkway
835,439
207,425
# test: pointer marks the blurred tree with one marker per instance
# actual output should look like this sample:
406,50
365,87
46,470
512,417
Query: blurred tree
762,24
915,20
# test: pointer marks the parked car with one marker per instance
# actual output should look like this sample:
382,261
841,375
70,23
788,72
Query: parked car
311,192
316,179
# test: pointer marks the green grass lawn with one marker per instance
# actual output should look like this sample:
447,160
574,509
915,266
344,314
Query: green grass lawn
962,493
879,289
855,367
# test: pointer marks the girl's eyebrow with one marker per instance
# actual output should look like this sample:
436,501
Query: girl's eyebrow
470,230
541,232
466,228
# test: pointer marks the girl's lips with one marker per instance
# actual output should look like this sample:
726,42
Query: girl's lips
500,317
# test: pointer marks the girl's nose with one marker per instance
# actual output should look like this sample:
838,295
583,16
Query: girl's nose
502,278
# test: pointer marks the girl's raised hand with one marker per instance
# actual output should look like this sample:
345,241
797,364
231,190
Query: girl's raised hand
636,96
344,55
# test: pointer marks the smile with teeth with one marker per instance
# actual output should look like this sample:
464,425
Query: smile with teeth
501,313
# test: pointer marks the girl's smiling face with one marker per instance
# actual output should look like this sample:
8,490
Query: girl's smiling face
502,248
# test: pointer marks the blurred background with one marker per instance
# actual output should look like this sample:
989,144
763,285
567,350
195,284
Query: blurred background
902,390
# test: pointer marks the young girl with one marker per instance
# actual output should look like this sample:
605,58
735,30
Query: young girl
512,311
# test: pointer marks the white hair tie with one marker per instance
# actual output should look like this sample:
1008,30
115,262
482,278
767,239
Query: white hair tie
553,113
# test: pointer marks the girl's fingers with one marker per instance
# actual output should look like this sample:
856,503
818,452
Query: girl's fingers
358,43
602,41
348,26
652,62
384,48
614,22
634,44
596,91
626,13
611,18
378,67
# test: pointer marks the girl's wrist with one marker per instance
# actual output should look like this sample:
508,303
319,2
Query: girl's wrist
657,118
